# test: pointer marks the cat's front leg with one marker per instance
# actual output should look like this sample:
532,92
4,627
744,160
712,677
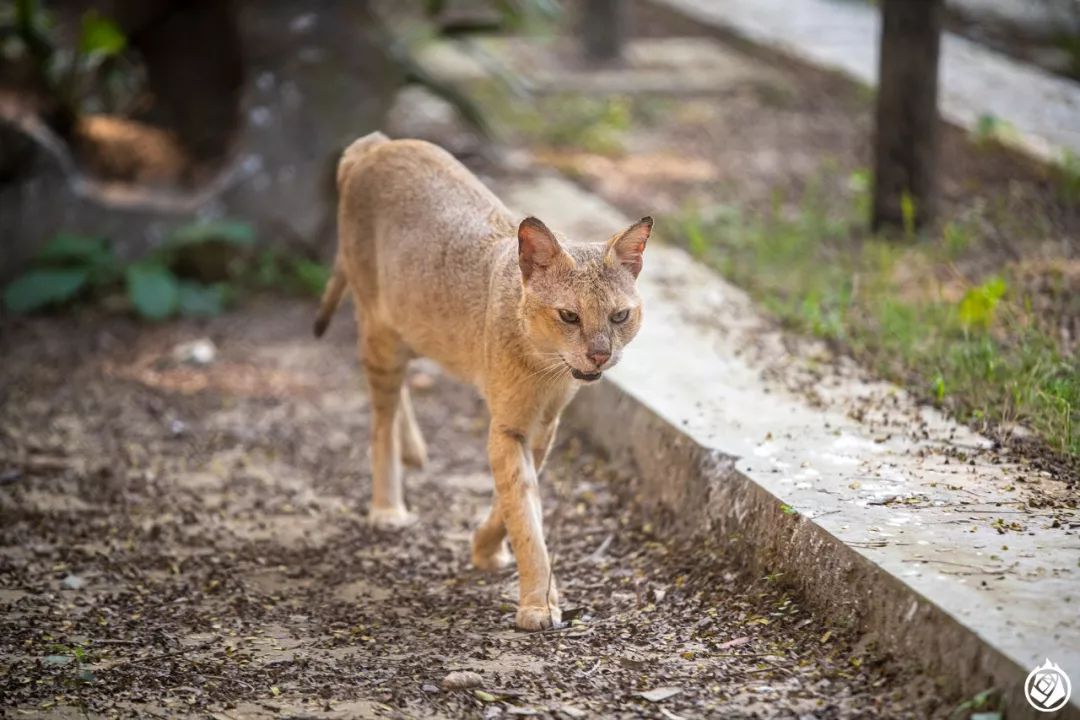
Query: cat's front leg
518,503
489,541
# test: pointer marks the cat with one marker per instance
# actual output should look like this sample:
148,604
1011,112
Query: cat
438,268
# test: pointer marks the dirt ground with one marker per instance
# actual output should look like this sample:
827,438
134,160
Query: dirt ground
189,540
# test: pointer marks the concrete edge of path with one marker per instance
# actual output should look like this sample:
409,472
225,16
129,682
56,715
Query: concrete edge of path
888,526
695,492
975,81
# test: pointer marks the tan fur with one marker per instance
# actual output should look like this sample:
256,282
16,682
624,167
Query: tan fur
437,267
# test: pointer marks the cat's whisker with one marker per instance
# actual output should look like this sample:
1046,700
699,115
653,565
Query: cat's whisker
560,372
542,372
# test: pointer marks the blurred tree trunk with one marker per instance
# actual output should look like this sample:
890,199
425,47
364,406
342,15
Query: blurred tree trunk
906,142
603,29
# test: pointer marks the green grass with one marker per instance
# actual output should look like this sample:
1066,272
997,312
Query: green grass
594,124
1068,172
918,309
970,345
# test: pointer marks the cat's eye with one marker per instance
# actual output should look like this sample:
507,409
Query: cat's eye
620,317
569,317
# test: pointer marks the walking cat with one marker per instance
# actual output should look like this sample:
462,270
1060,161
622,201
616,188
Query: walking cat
438,268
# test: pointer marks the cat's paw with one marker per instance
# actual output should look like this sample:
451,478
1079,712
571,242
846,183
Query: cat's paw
391,518
491,561
538,618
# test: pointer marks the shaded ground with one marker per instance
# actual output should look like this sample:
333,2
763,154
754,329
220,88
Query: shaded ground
178,540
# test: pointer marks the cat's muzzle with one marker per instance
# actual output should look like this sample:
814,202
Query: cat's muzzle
587,377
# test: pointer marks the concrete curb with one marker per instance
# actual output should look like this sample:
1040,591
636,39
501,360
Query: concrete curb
884,514
886,524
976,82
694,492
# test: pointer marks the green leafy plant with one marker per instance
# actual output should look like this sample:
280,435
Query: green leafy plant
75,74
195,299
40,288
990,129
310,276
76,657
65,268
277,269
101,37
198,271
939,387
153,289
188,275
978,305
984,702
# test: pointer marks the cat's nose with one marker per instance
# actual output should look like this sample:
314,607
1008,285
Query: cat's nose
599,357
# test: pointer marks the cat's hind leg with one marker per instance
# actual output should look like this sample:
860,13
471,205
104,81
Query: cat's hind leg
413,448
384,359
489,551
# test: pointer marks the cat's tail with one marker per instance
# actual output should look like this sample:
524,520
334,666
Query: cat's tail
335,286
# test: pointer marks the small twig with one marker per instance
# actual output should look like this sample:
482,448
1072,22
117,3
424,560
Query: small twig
598,554
741,655
771,668
593,669
163,656
778,668
222,678
960,565
588,627
1009,512
547,596
556,528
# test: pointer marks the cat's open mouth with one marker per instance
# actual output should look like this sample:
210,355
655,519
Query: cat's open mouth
587,377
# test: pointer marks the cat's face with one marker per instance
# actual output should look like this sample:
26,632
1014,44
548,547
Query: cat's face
580,307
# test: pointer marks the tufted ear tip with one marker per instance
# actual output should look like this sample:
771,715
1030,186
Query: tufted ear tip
629,247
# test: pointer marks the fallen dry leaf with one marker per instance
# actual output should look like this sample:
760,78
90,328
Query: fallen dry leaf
462,680
660,694
733,643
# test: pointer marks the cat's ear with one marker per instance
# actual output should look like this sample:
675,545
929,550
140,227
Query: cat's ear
628,247
537,247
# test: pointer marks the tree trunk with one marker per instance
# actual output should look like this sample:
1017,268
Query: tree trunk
603,29
906,142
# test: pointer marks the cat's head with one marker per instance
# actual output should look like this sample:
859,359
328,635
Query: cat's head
579,306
